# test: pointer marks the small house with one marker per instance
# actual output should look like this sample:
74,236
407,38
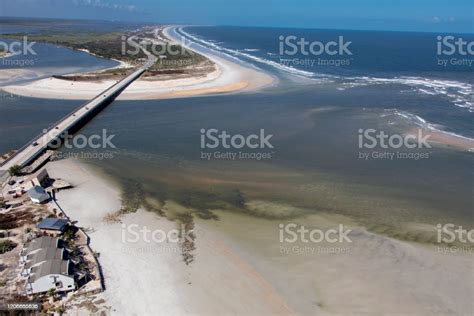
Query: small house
54,226
52,274
41,256
40,178
38,244
38,195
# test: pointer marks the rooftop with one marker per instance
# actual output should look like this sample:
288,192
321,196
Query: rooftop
53,224
42,242
38,193
54,266
44,254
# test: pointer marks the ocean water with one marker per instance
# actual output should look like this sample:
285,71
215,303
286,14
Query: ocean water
314,175
44,60
314,115
403,66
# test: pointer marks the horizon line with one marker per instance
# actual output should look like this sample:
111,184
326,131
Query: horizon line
235,25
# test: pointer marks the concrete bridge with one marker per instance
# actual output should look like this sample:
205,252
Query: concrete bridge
72,122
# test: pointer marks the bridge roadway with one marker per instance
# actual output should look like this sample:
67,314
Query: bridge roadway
73,121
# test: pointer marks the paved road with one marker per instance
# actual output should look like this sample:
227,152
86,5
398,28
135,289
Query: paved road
36,146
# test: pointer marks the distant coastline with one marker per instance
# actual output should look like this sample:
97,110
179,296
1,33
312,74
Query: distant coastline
226,77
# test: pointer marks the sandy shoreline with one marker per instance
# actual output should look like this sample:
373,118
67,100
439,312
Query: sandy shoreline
445,139
143,278
228,77
239,267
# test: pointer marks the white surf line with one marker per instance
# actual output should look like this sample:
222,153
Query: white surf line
231,54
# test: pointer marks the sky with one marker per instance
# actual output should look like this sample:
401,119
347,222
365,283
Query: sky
396,15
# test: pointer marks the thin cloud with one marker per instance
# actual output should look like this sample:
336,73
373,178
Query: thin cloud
437,19
106,5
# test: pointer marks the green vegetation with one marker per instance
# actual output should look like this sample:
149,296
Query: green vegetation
14,170
51,292
172,58
69,235
6,245
107,45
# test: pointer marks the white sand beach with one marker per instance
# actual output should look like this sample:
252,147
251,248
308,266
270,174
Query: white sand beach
142,277
239,267
227,77
445,139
